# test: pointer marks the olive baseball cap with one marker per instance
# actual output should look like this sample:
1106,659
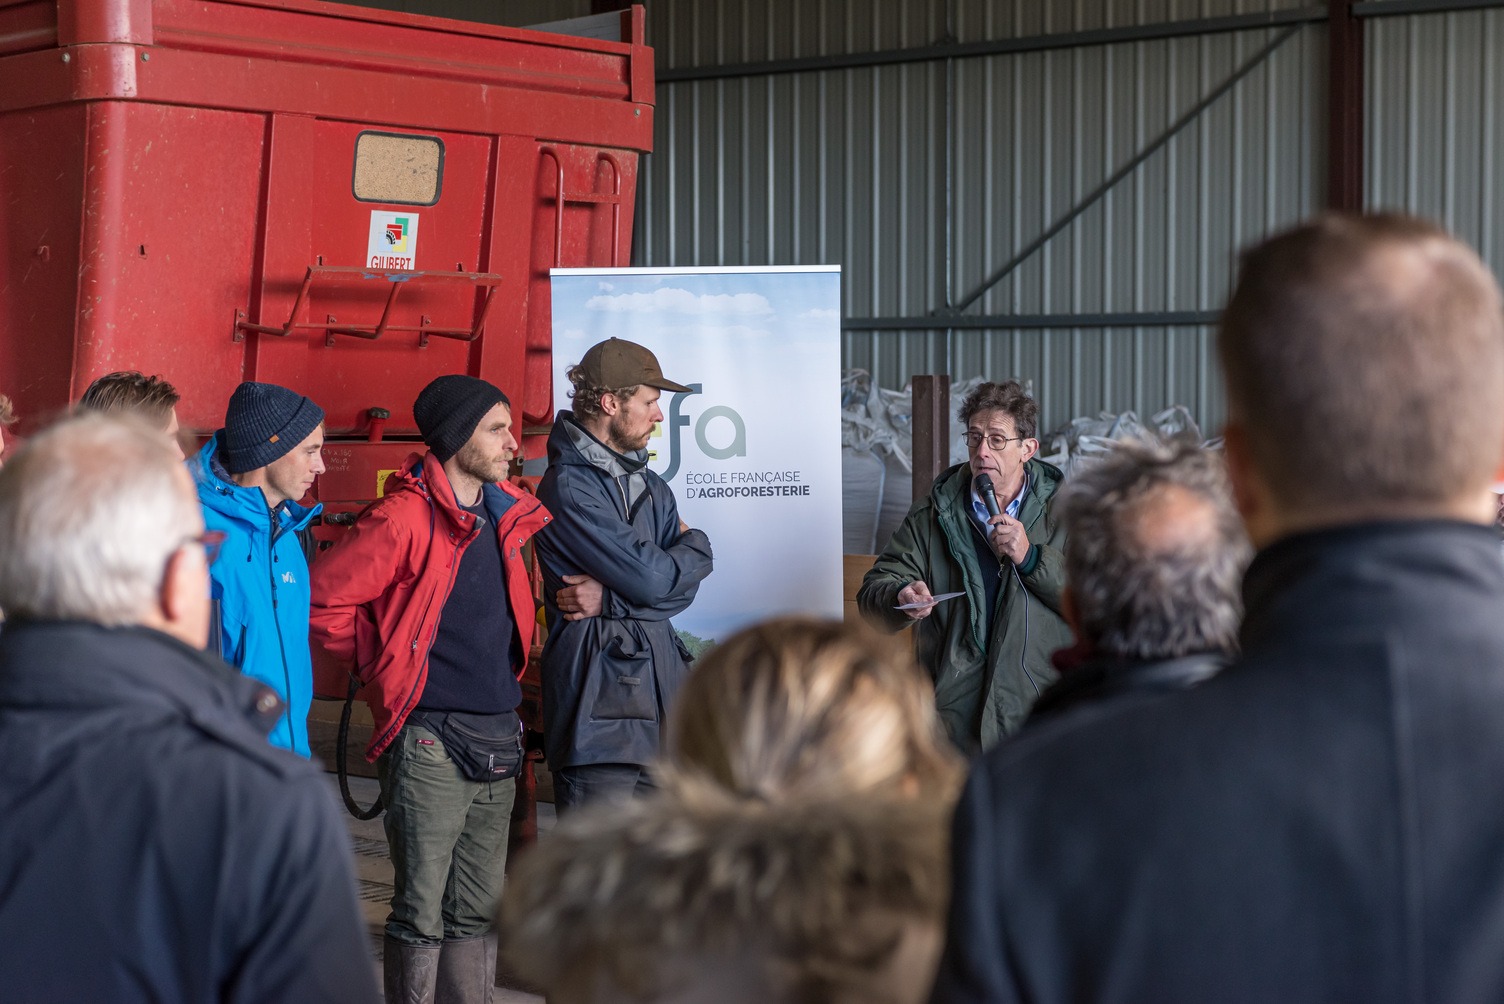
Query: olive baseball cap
618,363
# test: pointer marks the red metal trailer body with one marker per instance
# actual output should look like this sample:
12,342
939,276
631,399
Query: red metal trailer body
345,201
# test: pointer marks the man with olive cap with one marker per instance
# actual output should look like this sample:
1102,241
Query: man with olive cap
250,477
618,562
425,607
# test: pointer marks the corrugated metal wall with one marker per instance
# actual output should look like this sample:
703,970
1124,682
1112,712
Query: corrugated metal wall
864,167
1435,121
922,178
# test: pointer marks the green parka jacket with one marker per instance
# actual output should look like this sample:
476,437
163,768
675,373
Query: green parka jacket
984,686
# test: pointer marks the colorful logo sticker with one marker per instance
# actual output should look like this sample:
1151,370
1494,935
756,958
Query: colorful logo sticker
393,241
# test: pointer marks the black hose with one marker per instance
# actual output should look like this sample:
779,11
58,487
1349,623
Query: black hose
341,762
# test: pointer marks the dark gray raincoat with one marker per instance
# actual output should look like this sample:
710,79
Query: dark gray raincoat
608,681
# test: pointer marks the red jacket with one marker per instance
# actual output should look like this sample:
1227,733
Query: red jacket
379,591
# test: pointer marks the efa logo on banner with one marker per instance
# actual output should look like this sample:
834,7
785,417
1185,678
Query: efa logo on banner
393,241
720,432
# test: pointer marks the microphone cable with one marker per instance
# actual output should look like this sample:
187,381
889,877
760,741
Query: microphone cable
1023,652
982,483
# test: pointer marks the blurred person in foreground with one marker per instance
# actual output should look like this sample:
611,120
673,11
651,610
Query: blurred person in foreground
156,847
795,852
1321,821
987,652
1154,562
7,419
129,392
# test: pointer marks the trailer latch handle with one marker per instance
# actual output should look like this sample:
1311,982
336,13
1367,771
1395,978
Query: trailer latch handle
329,274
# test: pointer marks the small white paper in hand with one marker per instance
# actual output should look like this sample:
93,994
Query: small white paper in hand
929,602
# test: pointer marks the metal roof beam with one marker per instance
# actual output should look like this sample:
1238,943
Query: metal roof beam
1006,46
1132,165
1015,322
1386,8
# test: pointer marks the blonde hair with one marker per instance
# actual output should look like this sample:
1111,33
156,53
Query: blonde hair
7,412
798,708
796,850
700,895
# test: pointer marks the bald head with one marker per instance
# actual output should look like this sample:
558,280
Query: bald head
1154,552
1364,359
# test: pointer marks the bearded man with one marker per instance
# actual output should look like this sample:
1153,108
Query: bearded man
618,562
425,606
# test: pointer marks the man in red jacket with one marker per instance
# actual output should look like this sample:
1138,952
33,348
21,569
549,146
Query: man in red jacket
426,603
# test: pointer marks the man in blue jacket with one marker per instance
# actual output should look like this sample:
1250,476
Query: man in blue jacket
617,564
250,477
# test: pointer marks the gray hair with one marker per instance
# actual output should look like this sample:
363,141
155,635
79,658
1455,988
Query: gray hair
90,512
1155,552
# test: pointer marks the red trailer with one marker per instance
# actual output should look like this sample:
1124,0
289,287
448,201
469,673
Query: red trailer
345,201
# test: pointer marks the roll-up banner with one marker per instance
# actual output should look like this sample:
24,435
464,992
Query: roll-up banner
753,455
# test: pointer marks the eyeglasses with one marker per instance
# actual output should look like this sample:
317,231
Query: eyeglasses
211,541
994,441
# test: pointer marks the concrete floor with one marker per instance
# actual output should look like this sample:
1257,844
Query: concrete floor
373,873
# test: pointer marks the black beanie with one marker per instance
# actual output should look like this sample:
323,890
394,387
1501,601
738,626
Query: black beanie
263,423
449,409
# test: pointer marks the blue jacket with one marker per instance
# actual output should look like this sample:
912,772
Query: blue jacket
260,588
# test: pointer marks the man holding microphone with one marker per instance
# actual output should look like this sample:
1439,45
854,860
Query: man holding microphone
985,532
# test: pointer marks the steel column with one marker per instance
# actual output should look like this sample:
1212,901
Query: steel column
1344,181
931,428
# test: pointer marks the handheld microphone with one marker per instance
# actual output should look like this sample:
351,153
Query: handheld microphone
983,485
984,488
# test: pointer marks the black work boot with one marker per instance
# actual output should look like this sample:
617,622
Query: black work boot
409,972
467,970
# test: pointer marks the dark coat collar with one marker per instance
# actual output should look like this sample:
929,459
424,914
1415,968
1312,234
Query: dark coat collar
133,672
569,442
1324,578
1088,677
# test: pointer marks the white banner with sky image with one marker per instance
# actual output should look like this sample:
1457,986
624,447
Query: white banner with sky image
754,457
